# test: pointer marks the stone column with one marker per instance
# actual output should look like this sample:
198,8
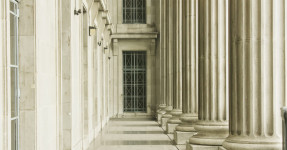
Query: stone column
257,73
169,61
212,125
163,89
186,129
177,66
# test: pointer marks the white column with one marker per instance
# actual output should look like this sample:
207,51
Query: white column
189,70
116,75
163,74
212,125
177,66
257,74
169,67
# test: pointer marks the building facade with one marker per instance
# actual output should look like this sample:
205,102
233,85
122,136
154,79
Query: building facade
212,72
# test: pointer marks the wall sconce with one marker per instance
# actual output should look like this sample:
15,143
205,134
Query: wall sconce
77,12
109,58
84,11
92,30
100,43
105,48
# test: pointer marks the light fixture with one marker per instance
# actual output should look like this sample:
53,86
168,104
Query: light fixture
92,30
77,12
84,10
105,47
100,43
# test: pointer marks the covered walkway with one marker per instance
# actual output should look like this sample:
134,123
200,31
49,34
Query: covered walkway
133,134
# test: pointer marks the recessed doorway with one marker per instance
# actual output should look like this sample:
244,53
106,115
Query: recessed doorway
134,81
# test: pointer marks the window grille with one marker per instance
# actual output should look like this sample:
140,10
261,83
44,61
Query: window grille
134,74
134,11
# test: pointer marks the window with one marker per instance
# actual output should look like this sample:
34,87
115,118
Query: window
134,77
134,11
14,72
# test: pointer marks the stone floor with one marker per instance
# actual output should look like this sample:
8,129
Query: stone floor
134,134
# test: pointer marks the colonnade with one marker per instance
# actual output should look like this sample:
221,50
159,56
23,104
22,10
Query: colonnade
223,73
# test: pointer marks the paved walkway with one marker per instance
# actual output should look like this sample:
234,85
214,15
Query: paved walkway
133,134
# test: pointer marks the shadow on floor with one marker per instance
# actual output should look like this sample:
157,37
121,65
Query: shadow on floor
132,134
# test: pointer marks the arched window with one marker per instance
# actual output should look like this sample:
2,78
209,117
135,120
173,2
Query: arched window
134,11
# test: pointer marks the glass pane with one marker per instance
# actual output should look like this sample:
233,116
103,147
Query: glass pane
134,11
139,3
129,3
14,92
14,134
13,39
14,75
13,7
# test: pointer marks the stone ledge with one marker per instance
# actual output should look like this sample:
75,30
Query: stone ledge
159,116
181,138
201,147
152,35
170,127
221,148
163,122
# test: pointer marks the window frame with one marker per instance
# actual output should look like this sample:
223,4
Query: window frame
134,10
14,65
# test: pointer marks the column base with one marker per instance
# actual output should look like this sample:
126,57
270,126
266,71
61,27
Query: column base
210,133
166,117
201,147
170,128
180,138
188,123
159,116
174,121
164,122
221,148
160,107
186,129
160,112
252,143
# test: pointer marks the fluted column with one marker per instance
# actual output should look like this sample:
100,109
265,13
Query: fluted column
257,73
169,61
177,66
212,125
189,70
163,88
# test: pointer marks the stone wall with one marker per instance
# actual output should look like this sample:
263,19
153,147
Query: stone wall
3,71
64,74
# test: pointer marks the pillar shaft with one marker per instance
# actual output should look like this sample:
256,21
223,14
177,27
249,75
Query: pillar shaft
190,62
189,69
212,125
177,100
170,49
169,61
163,62
257,73
177,64
163,51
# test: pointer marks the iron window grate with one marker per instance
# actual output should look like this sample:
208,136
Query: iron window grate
134,11
134,81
